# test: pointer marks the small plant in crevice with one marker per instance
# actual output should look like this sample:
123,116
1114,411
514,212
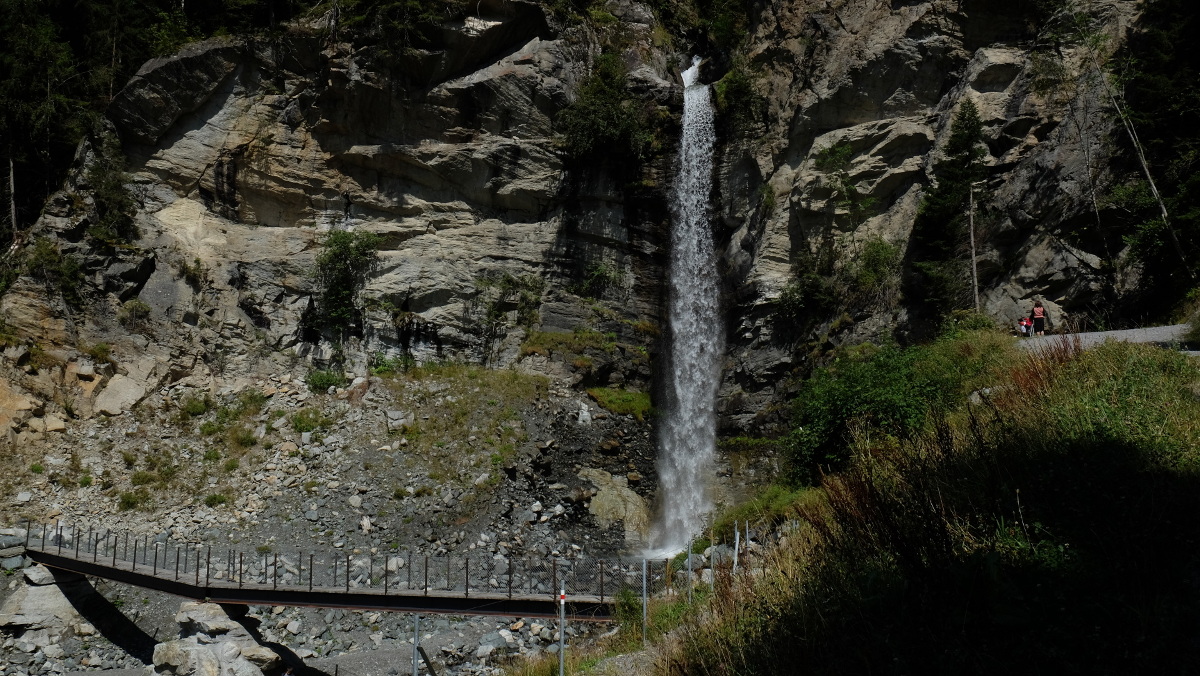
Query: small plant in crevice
133,313
61,273
319,381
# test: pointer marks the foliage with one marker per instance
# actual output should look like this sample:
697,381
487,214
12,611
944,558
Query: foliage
806,299
309,420
399,25
194,405
101,352
343,266
62,62
890,391
500,293
133,313
382,365
60,273
1156,75
770,506
598,278
623,402
606,123
114,205
939,232
579,341
739,104
319,381
466,415
133,499
1043,527
215,500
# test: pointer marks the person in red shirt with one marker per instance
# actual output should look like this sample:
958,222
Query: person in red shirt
1039,318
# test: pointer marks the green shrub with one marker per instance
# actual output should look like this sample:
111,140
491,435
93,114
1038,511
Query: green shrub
211,427
194,406
242,437
343,266
623,402
889,390
133,500
133,313
320,381
309,420
141,478
212,455
597,278
114,205
101,352
36,468
606,123
59,272
382,365
85,481
231,464
215,500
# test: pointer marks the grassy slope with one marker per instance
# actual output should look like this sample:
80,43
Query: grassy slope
1052,529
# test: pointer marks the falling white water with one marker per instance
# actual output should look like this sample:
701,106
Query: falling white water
687,436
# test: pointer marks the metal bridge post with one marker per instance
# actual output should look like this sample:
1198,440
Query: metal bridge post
385,574
134,555
645,601
28,531
467,575
449,581
115,543
43,536
426,592
197,566
241,568
176,563
310,571
410,570
125,552
601,581
75,534
275,573
335,570
562,629
347,572
512,572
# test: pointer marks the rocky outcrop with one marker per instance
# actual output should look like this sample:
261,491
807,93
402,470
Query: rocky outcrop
212,643
885,81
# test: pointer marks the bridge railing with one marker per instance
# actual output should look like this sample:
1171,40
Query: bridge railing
406,572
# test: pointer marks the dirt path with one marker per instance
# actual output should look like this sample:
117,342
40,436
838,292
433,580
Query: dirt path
1163,335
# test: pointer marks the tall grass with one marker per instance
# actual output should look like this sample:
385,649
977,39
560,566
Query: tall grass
1049,528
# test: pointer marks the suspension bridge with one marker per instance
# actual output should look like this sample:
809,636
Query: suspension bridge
411,582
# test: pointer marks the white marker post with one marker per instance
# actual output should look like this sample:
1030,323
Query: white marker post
562,629
416,642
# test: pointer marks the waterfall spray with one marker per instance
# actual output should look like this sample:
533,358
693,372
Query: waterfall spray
687,436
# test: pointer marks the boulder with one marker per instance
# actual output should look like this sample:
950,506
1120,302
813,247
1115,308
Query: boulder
212,644
120,395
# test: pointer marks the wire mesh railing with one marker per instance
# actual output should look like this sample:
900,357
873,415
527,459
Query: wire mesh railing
400,572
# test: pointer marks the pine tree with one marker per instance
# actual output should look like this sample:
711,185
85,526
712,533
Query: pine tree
939,280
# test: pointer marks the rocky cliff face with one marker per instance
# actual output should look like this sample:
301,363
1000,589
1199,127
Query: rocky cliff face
884,80
242,153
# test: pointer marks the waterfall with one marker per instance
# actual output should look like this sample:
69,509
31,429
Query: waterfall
687,435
